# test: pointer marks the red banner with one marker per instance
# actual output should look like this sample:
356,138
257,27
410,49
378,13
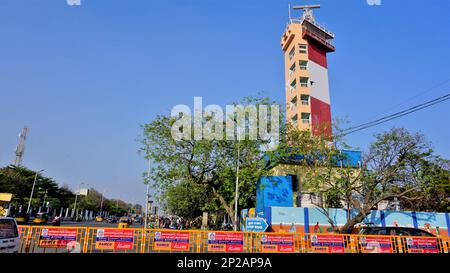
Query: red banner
327,243
170,240
56,237
277,243
225,241
422,245
116,239
375,244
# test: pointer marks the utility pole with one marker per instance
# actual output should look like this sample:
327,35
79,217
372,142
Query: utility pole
20,149
32,190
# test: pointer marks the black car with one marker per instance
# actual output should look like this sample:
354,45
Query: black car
395,231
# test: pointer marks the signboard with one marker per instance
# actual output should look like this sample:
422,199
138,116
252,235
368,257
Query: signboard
83,192
56,237
5,197
375,244
225,241
422,245
327,243
170,240
256,224
277,243
114,239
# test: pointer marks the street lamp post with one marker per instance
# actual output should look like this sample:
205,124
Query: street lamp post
32,190
147,196
45,196
236,194
117,206
76,198
101,206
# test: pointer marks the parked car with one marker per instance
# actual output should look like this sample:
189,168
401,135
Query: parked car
9,235
395,231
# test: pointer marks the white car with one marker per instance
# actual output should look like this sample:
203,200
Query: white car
9,235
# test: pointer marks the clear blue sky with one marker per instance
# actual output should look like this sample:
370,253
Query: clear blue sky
83,79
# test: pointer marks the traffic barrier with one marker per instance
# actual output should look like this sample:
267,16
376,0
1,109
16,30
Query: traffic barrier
49,239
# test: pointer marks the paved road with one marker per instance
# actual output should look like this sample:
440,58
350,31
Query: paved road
96,224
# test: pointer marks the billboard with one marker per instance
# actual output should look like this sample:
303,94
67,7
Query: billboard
56,237
83,192
225,241
375,244
327,243
277,243
171,240
114,239
422,245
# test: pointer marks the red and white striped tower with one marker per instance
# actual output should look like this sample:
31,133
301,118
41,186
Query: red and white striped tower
305,44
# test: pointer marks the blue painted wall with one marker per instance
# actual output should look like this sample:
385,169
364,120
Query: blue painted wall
273,191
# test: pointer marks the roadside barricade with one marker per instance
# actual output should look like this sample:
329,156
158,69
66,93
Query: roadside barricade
48,239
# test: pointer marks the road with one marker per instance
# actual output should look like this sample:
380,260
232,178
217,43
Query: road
97,224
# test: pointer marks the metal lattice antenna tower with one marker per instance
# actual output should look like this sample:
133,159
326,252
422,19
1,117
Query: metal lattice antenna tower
20,149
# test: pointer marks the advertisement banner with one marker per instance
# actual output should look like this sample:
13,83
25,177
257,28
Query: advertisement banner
327,243
169,240
422,245
375,244
114,239
277,243
56,237
225,241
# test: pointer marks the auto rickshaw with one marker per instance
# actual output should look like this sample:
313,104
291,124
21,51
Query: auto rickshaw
124,222
99,219
21,218
41,218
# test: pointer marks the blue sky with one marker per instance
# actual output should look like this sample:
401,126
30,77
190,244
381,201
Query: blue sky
84,78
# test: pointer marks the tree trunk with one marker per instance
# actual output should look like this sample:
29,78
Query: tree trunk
228,208
353,221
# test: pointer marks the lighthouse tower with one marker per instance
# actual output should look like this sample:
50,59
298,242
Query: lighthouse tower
305,44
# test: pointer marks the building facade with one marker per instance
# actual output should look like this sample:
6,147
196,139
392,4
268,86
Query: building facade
305,45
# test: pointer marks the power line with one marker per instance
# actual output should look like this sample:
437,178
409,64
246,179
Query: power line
395,115
423,93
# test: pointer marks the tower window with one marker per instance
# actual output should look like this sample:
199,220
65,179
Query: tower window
293,84
292,53
304,99
305,118
294,102
292,69
303,82
303,65
303,48
294,120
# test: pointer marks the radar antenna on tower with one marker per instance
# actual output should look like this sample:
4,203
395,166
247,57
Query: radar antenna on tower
307,11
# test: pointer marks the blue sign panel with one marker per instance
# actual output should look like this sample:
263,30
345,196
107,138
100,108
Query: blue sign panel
256,224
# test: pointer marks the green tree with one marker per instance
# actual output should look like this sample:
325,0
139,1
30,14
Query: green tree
210,165
398,165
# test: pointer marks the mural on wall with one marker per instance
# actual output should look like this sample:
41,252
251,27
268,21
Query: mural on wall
312,220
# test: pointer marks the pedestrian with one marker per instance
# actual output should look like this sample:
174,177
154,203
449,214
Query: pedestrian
317,228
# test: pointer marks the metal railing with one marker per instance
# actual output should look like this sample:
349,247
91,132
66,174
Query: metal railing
140,240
